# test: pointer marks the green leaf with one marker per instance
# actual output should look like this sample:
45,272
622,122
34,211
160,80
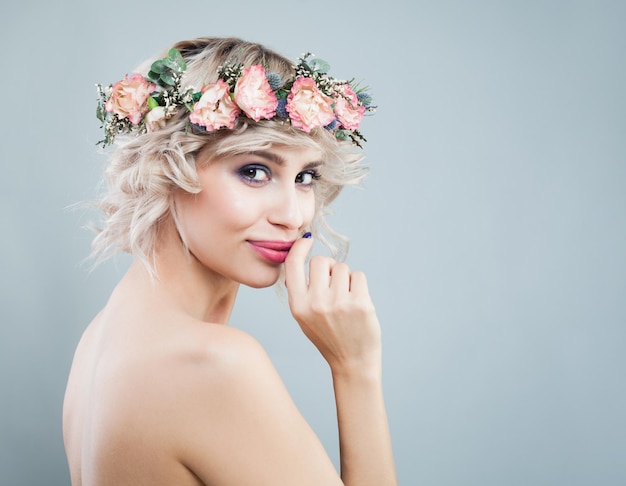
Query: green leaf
168,79
319,65
170,64
158,98
281,94
153,76
177,57
341,134
152,103
100,113
158,66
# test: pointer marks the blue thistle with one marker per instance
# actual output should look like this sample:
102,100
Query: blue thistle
275,80
332,125
198,128
365,99
281,109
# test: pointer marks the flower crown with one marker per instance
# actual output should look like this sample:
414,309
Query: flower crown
311,99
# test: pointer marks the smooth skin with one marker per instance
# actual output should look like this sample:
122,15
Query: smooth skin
162,391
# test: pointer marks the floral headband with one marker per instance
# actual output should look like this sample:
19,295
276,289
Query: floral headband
311,99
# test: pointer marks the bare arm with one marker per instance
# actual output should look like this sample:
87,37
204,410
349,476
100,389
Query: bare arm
236,423
335,312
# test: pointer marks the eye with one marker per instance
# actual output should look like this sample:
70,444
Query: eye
255,174
308,177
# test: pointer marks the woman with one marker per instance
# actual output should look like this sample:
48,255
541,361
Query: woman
227,157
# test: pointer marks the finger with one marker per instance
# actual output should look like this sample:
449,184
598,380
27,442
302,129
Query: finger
319,272
358,284
295,275
340,277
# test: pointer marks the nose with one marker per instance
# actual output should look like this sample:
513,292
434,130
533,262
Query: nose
286,208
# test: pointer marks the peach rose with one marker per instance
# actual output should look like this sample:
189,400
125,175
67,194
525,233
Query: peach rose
215,109
308,107
155,119
347,108
254,95
129,98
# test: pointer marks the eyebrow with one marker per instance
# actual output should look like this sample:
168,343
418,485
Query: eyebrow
278,160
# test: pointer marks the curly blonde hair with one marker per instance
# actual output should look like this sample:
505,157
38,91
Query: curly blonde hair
144,171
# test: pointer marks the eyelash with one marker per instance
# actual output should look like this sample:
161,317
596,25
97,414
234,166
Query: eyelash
248,172
315,176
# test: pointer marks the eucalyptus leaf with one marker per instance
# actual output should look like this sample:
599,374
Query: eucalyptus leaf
153,76
177,57
168,79
158,66
169,63
319,65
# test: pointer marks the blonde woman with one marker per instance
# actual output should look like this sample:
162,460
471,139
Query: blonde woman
226,157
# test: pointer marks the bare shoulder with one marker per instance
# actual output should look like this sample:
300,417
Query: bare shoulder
220,358
225,346
235,410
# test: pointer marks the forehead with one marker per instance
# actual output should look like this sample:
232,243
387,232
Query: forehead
269,136
279,154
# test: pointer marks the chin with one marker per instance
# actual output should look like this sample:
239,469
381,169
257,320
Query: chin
260,284
262,280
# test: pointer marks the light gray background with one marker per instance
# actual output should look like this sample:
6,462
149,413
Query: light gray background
491,228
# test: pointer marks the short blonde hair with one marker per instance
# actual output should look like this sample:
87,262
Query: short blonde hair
144,171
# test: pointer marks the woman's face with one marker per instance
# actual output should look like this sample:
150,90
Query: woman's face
250,210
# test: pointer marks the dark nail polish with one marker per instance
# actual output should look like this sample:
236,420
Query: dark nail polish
306,235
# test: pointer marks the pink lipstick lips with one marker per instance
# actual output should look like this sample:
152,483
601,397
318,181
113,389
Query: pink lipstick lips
272,251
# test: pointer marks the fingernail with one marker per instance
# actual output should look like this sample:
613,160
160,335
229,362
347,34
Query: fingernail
306,235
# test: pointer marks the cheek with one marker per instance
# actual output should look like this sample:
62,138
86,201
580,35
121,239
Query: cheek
233,203
229,205
188,213
309,208
235,208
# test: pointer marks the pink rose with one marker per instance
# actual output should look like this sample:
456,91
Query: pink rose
308,107
347,108
254,95
129,98
215,109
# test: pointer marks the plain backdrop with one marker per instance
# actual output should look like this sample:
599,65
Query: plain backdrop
492,225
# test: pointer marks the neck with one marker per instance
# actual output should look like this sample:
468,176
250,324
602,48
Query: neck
184,284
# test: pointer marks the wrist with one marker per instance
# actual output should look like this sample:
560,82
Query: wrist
357,370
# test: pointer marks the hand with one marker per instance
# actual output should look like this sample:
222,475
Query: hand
333,309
